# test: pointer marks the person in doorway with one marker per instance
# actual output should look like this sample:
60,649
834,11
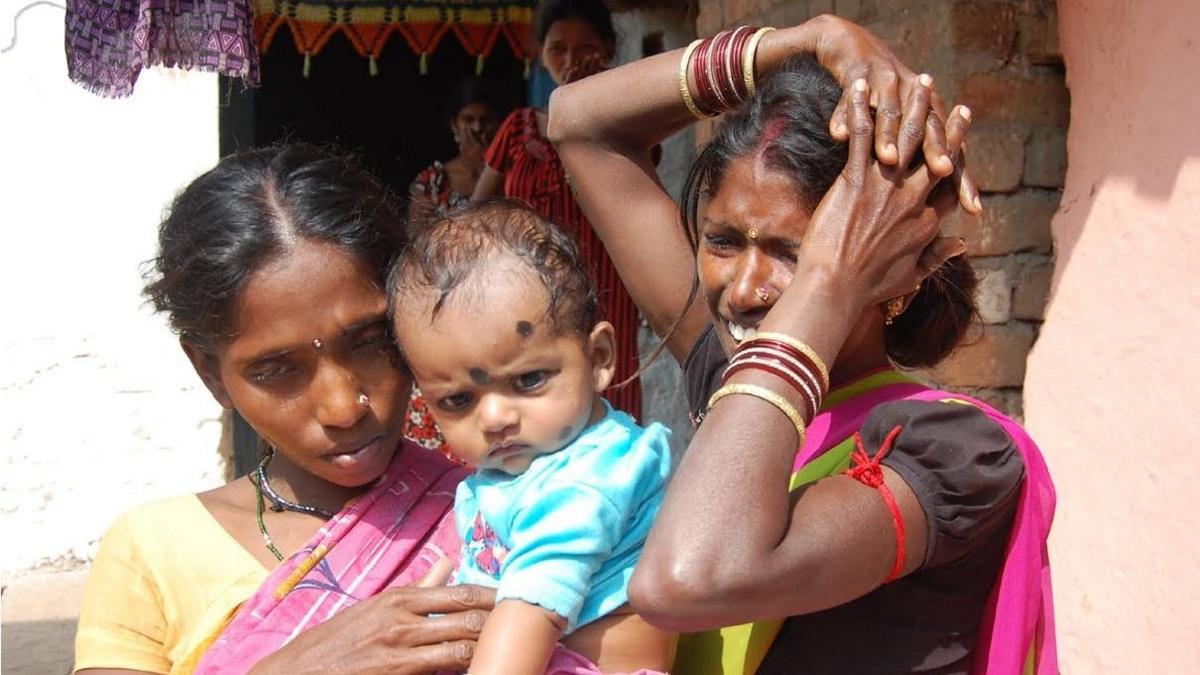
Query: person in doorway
473,111
824,519
577,39
271,270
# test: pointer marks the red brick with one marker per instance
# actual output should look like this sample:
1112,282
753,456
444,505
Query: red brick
1038,37
849,9
1039,99
1009,224
1046,157
996,359
1032,289
989,28
996,156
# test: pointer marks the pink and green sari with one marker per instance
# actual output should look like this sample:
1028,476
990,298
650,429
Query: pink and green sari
1016,635
390,536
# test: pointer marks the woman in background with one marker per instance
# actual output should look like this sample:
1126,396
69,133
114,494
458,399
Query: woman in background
473,111
577,40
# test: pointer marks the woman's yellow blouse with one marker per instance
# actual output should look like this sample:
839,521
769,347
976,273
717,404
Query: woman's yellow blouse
167,577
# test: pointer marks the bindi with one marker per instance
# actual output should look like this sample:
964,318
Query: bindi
524,329
479,376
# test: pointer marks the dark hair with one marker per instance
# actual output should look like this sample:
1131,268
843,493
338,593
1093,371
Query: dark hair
591,12
787,124
451,248
473,90
238,216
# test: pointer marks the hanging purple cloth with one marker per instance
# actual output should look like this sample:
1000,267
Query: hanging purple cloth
109,42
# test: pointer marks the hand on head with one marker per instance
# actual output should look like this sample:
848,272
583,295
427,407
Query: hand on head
872,229
909,113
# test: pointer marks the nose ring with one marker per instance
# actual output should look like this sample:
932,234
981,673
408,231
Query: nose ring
364,400
763,294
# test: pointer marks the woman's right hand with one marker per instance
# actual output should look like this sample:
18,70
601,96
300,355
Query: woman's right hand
392,633
872,235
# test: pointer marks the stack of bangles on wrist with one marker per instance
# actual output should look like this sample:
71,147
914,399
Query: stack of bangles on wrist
788,359
722,68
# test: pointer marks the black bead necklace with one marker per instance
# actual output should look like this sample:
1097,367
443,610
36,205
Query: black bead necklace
279,504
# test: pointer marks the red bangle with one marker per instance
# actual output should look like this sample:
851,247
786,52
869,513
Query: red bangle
704,95
800,376
734,61
807,362
775,368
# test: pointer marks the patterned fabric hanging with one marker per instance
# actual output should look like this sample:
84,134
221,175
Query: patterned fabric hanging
109,42
368,24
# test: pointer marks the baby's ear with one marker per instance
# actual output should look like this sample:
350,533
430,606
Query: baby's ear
602,349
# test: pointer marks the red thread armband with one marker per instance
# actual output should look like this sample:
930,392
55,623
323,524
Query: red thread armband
868,472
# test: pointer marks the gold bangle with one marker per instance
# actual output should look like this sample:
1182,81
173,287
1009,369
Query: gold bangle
766,395
748,55
803,349
683,84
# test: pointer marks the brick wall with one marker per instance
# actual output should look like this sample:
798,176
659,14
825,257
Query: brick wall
1001,58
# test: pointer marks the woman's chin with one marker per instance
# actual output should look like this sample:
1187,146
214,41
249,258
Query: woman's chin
362,466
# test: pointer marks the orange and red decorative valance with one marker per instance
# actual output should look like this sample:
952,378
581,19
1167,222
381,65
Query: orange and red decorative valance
368,24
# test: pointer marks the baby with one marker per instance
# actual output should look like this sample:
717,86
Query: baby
499,321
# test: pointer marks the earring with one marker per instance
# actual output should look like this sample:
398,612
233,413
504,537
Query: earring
364,400
763,294
892,309
457,138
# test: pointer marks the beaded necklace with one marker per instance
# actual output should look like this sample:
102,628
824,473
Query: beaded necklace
262,526
278,504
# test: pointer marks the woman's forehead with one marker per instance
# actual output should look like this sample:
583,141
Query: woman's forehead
314,290
752,194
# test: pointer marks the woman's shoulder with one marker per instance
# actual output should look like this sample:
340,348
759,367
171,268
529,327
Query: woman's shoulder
152,518
961,464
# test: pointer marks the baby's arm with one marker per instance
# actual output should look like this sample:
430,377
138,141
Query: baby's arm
517,639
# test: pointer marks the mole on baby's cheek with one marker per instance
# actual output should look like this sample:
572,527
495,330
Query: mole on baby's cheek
479,376
524,329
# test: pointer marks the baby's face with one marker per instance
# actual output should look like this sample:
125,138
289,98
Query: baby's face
502,385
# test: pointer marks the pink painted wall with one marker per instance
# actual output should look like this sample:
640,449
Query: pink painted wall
1111,391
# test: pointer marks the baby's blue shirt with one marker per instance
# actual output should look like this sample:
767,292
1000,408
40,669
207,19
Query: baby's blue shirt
566,534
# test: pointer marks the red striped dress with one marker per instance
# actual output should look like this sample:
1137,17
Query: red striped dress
533,172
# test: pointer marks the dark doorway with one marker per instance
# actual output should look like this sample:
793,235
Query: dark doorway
394,120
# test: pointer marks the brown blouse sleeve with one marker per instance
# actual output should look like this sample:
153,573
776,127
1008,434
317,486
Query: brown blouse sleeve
963,468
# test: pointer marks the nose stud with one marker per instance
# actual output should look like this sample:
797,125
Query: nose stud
763,294
364,400
317,344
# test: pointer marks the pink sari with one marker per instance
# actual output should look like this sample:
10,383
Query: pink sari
1016,634
390,536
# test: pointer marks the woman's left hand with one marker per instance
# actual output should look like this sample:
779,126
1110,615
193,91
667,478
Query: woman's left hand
872,233
851,52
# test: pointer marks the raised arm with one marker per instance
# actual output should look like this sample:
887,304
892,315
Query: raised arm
731,544
605,125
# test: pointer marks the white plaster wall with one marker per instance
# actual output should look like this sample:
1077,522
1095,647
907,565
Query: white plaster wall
98,408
